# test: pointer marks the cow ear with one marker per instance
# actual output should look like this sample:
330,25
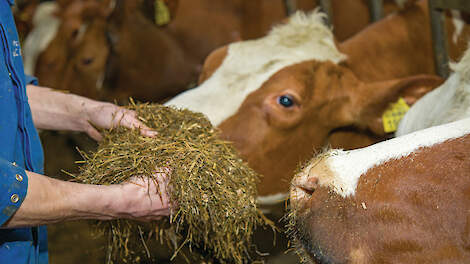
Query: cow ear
381,95
212,63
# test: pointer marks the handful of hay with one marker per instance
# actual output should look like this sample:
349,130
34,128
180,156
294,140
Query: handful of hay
214,189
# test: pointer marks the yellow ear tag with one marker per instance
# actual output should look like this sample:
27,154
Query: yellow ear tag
394,113
162,13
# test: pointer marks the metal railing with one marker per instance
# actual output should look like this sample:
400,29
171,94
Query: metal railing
375,9
438,30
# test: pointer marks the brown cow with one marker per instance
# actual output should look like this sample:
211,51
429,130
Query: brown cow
72,55
111,41
349,16
278,98
405,200
391,202
146,61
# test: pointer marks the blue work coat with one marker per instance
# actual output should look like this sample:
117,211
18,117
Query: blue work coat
20,148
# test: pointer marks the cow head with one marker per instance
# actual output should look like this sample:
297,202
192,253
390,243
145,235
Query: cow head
75,58
279,107
387,203
307,106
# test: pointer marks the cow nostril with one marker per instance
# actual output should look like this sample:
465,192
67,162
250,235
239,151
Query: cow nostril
308,186
309,191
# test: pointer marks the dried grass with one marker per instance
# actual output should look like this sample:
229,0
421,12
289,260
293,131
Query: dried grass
214,189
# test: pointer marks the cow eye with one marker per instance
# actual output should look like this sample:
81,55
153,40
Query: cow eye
87,61
75,34
285,100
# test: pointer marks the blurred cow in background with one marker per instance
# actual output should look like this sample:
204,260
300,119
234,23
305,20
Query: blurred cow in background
23,12
89,42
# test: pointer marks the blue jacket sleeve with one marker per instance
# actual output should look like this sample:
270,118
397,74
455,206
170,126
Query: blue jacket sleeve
13,189
31,79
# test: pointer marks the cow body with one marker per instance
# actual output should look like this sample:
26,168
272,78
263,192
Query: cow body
278,113
406,199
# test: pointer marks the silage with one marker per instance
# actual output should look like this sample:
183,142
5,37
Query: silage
213,188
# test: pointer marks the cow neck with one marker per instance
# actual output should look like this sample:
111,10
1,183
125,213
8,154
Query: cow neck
348,166
375,56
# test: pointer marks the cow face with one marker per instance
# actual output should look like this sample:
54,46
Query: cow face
305,107
291,114
75,59
85,71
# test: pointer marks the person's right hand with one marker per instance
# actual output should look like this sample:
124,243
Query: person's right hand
143,199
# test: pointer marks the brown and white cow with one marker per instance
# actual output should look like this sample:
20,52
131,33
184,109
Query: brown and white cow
405,200
65,30
78,44
280,97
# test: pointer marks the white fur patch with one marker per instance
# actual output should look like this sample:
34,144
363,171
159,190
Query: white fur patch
45,26
458,25
449,102
348,166
250,63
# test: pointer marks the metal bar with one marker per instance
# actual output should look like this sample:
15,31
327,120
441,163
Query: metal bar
375,10
462,5
290,6
439,40
326,7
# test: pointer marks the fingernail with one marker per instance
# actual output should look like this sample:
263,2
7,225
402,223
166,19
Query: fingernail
150,133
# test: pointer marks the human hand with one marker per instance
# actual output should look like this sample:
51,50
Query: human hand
143,199
107,115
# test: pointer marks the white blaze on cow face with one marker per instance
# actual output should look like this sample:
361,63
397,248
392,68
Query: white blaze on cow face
45,26
340,170
449,102
249,64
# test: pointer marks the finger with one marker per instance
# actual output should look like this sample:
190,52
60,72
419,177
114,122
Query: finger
126,118
147,132
162,175
129,119
94,134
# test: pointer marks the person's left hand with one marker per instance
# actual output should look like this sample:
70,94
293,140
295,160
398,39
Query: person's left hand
107,115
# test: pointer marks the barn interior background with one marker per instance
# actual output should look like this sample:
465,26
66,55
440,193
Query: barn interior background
152,50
